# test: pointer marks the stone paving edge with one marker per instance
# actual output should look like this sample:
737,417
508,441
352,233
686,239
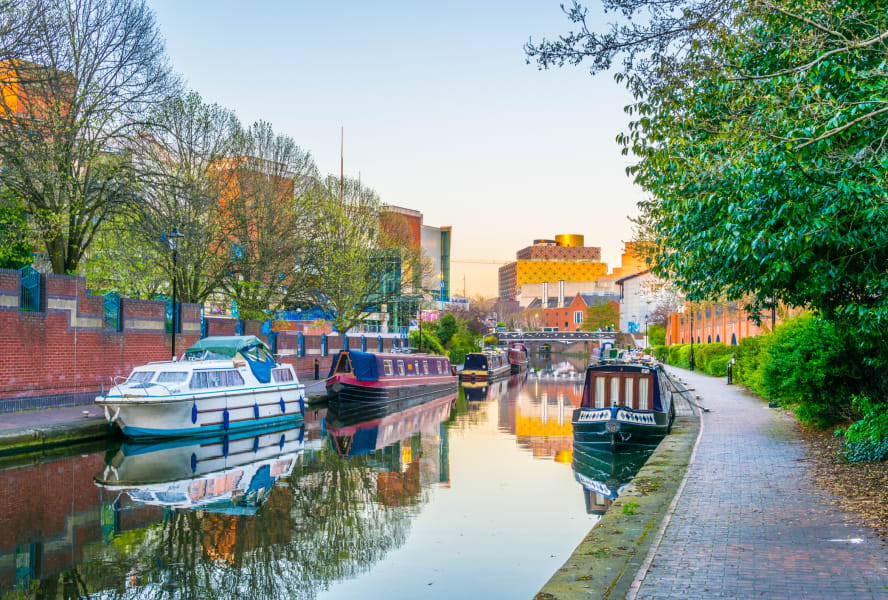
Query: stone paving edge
606,562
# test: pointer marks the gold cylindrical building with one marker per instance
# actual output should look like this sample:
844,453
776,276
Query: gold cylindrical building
569,240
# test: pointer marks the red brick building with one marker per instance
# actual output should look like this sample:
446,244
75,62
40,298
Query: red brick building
569,315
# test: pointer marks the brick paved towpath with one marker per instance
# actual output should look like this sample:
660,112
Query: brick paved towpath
749,522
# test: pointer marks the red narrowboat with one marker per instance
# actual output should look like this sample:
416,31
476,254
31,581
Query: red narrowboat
518,357
371,377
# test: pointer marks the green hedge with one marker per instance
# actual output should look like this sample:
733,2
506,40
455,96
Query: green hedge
457,356
717,366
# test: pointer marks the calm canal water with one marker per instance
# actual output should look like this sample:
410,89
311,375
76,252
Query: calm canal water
472,494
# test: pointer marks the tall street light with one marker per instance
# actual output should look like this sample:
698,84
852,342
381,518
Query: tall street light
691,361
441,277
173,239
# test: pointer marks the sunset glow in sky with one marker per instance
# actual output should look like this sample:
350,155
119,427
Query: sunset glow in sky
441,112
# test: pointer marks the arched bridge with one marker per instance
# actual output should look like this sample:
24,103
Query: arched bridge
565,337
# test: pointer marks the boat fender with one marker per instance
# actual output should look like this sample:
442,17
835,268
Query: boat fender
281,443
255,410
301,433
283,407
225,446
194,413
225,419
255,444
301,404
193,462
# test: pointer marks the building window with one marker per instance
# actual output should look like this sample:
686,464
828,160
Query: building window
578,317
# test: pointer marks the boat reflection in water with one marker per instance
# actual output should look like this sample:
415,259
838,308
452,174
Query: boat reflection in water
227,474
356,428
605,474
480,391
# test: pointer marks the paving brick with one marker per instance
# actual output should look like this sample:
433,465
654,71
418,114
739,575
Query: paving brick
750,523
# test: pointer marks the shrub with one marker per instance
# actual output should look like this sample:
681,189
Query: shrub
867,439
672,354
457,356
490,340
684,357
430,342
659,351
746,369
717,366
656,335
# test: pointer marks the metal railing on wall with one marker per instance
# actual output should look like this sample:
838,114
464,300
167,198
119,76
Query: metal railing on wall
111,316
29,297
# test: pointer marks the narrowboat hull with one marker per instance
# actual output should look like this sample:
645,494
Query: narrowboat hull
349,388
619,427
517,365
204,414
486,374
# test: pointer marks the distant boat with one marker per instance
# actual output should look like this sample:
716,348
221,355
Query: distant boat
518,357
223,384
371,377
490,364
624,405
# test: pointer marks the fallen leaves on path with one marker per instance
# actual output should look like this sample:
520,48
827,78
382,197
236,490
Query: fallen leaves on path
861,488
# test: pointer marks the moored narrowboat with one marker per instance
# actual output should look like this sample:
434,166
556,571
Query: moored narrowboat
371,377
487,365
519,359
224,384
623,406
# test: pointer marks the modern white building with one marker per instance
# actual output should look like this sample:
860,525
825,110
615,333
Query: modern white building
639,294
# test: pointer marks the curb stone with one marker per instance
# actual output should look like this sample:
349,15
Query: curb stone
606,561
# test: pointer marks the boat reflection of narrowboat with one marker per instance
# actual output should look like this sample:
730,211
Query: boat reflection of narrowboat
356,428
224,384
371,377
487,365
227,474
519,359
605,474
624,405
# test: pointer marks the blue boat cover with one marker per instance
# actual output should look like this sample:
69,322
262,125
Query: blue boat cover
261,368
364,365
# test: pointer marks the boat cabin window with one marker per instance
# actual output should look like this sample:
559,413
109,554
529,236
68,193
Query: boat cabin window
214,379
627,384
425,366
401,368
599,392
172,377
438,365
387,368
141,376
282,375
643,384
615,391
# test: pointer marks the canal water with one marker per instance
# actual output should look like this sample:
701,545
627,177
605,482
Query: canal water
475,494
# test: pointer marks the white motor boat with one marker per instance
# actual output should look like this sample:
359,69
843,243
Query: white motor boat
223,384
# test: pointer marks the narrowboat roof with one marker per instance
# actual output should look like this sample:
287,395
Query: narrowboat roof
367,366
227,345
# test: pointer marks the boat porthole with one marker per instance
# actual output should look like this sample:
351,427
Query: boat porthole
255,410
255,444
193,462
225,446
194,413
283,407
225,420
281,443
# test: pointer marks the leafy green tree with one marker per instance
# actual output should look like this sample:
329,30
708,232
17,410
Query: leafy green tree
656,334
447,327
600,316
15,244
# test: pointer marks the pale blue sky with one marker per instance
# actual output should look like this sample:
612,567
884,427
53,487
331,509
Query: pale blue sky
441,113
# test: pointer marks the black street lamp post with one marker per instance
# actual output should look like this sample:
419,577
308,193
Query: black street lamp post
173,239
691,361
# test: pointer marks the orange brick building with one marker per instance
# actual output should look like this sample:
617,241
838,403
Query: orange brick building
719,322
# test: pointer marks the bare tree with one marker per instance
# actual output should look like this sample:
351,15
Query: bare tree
266,218
352,268
77,79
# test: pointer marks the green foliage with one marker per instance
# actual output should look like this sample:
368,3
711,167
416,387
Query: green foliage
457,356
656,334
867,439
672,353
490,340
684,357
659,351
447,327
601,316
749,356
717,365
15,245
430,342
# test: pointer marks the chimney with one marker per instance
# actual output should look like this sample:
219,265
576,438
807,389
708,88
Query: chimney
560,293
545,294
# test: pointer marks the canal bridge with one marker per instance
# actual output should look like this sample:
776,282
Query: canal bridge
559,341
